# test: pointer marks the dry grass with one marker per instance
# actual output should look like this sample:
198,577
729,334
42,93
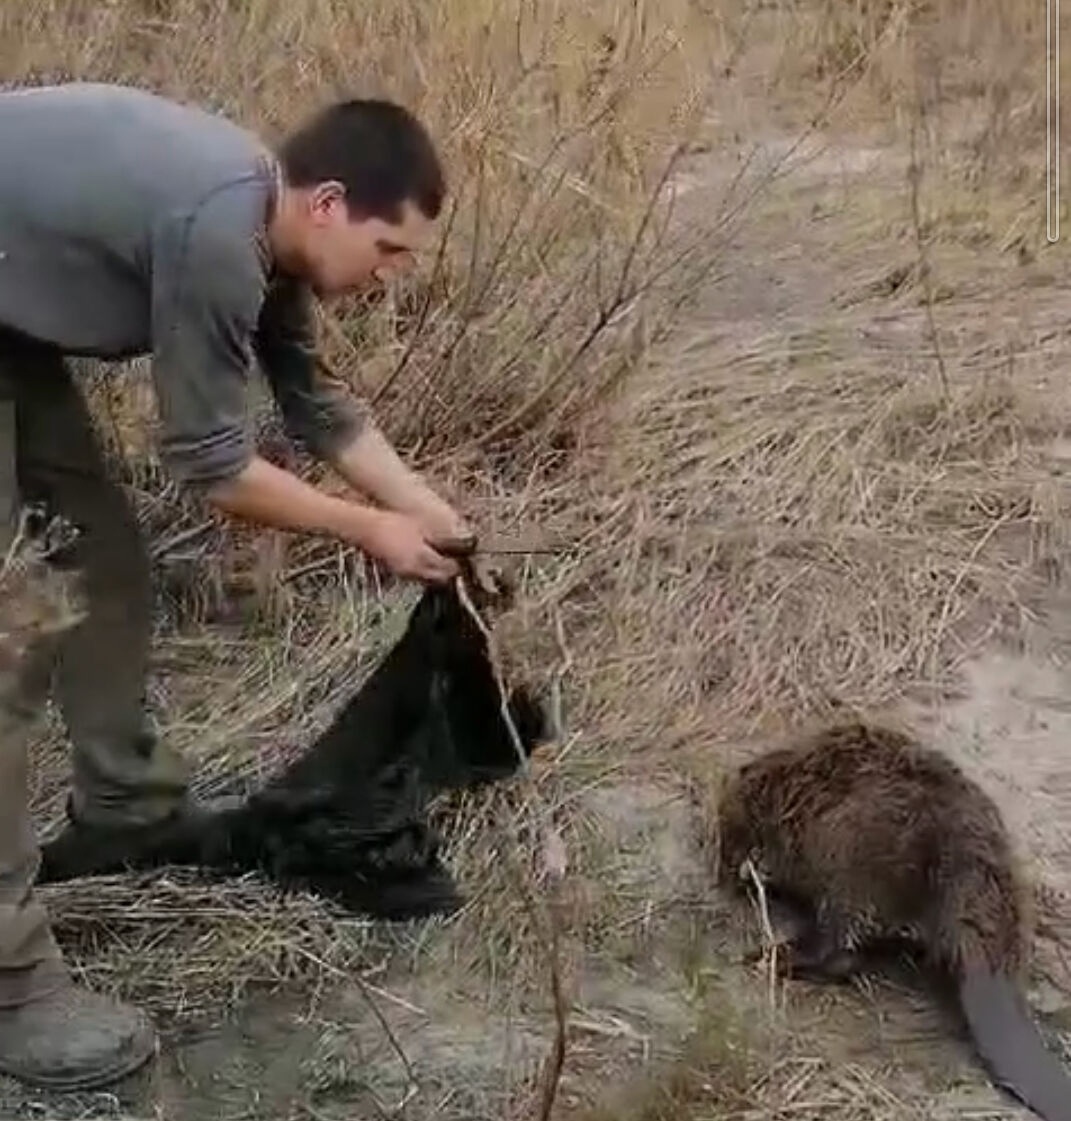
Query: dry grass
190,949
778,509
970,73
726,1071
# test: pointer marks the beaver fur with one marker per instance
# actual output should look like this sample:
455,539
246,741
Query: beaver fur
871,840
348,817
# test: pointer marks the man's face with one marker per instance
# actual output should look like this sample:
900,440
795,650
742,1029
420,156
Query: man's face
343,255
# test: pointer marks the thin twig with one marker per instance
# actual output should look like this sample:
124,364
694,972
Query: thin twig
552,1074
564,667
515,738
925,272
767,926
543,917
194,533
367,995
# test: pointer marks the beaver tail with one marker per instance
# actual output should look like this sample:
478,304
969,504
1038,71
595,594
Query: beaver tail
1011,1047
979,932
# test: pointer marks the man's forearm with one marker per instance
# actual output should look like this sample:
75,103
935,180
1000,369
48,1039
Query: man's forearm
267,495
369,464
271,496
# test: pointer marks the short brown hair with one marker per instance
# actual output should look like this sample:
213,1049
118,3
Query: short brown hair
377,149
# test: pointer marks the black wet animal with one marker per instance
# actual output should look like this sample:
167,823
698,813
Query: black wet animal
348,818
871,840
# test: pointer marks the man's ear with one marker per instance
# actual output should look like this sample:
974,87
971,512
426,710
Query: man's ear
326,200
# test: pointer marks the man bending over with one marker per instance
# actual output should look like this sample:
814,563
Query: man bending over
132,225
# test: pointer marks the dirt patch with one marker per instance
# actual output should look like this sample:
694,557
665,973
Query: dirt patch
1010,730
424,1043
333,1058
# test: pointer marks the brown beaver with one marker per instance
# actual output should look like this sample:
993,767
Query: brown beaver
869,839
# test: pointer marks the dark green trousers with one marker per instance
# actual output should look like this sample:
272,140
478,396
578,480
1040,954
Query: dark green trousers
97,670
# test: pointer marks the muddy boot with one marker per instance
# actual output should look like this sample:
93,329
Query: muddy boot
70,1038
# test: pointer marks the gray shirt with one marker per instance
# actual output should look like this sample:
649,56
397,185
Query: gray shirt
131,225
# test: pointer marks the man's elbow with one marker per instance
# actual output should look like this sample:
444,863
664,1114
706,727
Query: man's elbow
225,492
214,472
327,433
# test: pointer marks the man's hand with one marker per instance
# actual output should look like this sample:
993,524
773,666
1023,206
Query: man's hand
398,541
270,496
446,530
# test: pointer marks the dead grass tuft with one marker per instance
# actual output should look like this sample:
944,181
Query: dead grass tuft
715,1070
742,1062
188,949
818,530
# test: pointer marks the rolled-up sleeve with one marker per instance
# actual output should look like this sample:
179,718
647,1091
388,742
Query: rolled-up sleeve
318,414
207,290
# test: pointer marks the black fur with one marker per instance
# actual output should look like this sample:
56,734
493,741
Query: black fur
347,818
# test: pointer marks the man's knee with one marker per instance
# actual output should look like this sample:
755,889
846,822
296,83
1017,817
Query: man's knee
110,548
38,606
61,466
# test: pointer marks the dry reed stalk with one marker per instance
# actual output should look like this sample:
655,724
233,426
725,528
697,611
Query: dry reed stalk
769,938
554,857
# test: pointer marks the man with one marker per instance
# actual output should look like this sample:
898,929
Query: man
133,225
